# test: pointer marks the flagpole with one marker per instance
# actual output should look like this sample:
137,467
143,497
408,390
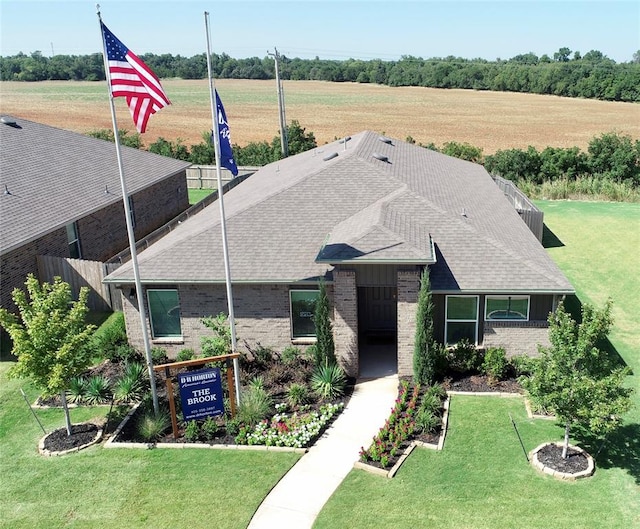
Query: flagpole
130,233
225,247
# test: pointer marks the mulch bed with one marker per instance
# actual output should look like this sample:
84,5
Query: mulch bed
551,456
81,434
481,384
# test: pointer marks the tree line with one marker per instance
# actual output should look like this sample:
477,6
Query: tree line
566,73
610,166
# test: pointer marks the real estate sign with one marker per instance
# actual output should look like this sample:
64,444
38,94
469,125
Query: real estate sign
201,394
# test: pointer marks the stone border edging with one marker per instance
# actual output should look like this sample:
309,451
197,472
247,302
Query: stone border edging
533,456
48,453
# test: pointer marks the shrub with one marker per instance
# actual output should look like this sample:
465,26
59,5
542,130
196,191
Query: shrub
192,431
298,394
255,405
464,357
328,381
430,403
151,426
125,353
290,354
209,429
495,364
232,425
159,355
437,390
110,336
522,365
98,390
426,421
185,354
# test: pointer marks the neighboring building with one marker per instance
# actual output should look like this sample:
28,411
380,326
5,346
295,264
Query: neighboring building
61,196
366,214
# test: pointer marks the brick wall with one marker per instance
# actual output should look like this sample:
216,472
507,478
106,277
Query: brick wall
517,338
345,326
102,233
262,316
17,264
408,290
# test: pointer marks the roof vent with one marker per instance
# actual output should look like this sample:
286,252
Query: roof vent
6,120
380,157
345,139
329,156
6,190
386,140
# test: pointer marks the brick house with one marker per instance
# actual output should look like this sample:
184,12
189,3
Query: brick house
61,196
366,214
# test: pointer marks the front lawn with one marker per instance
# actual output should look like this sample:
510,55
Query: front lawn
122,488
481,480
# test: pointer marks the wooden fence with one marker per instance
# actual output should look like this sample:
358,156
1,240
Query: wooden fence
81,273
205,176
530,214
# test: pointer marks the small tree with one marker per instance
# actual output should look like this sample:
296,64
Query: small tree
220,343
50,337
325,347
575,378
425,347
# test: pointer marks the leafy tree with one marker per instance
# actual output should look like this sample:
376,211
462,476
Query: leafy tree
464,151
425,348
129,140
50,337
616,157
325,347
220,343
169,148
575,377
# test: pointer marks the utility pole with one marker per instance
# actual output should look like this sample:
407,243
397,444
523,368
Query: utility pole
283,128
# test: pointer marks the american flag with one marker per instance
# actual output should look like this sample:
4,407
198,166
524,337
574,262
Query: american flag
131,78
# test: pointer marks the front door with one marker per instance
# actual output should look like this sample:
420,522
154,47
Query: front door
377,311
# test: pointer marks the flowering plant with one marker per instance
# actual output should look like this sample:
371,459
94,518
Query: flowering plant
297,430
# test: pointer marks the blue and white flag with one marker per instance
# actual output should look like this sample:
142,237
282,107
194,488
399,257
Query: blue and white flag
226,153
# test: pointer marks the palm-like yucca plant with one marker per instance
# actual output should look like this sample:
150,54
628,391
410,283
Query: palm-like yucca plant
98,390
328,381
77,389
131,386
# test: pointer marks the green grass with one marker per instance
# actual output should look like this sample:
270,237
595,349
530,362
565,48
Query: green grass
121,488
481,480
196,195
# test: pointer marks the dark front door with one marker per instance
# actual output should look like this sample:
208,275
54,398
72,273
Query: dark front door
377,311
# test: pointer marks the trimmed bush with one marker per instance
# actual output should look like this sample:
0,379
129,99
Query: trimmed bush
495,364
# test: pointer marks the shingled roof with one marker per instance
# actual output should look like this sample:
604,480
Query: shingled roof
51,177
367,199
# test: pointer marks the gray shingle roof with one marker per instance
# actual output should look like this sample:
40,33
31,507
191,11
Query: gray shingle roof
290,218
55,177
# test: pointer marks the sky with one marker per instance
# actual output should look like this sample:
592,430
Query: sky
359,29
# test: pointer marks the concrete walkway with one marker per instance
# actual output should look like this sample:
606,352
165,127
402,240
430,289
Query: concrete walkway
300,495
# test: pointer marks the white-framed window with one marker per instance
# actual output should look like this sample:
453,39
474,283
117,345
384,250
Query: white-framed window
506,308
74,241
461,321
164,313
303,307
132,212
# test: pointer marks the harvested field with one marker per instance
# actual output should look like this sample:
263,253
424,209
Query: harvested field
489,120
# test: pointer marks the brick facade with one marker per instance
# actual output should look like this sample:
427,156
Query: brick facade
102,233
345,325
517,338
262,316
408,290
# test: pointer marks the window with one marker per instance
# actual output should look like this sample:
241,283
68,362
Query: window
461,319
132,211
303,306
506,308
164,312
74,241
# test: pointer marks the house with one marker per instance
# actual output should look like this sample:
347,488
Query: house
366,214
61,196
